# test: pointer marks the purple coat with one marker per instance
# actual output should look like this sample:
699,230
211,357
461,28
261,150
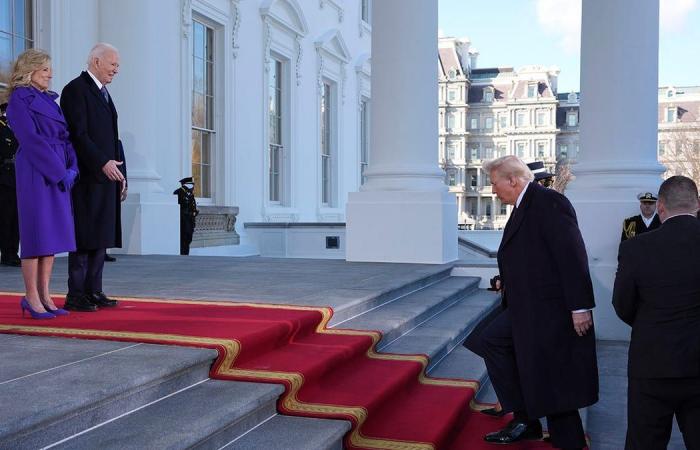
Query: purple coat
44,156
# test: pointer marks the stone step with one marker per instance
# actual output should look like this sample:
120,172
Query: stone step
396,318
286,432
401,288
446,330
53,388
208,414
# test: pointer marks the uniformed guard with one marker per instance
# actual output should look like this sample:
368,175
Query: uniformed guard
9,226
542,177
641,223
188,213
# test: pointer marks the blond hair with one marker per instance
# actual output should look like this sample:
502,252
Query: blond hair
27,63
510,167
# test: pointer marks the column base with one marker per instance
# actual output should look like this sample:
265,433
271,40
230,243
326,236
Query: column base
150,227
401,227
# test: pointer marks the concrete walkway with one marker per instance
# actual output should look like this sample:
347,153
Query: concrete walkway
253,279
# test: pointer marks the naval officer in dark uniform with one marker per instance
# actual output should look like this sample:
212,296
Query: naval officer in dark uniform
9,222
641,223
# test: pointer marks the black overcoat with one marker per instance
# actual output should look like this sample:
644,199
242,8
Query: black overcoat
657,292
92,123
544,270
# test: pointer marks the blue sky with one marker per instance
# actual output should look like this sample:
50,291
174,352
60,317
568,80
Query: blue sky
546,32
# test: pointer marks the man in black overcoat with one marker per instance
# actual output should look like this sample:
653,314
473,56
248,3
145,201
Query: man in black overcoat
9,220
657,293
97,196
540,351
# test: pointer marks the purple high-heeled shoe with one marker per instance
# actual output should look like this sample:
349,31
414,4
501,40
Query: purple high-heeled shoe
56,312
24,304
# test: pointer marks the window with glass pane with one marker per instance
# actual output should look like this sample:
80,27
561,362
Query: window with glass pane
503,120
571,119
16,30
451,178
474,123
488,209
520,119
487,179
532,90
365,10
474,153
364,139
452,95
274,90
203,130
474,180
504,209
488,95
488,123
563,151
670,115
326,149
521,149
540,149
488,153
542,117
662,148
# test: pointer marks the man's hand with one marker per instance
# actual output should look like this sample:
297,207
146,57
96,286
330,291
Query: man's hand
125,190
111,170
582,321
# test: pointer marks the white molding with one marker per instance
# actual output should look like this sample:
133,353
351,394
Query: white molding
235,26
334,4
186,17
269,10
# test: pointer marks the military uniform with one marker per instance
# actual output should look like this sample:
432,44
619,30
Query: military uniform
188,213
635,225
9,225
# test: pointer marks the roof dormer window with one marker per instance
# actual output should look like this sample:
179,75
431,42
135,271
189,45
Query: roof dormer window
488,94
572,98
532,90
451,74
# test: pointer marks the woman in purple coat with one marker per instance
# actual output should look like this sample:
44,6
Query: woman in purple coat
46,169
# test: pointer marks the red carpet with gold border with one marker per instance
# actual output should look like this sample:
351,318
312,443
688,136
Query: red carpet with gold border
328,373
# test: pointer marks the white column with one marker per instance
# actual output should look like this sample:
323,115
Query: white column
404,212
150,105
618,138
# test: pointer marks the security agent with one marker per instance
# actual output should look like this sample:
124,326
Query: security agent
641,223
188,213
9,222
542,177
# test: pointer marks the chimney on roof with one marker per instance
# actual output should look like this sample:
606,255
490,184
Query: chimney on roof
473,56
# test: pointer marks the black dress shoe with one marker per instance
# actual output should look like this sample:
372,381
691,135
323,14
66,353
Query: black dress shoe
101,300
493,412
109,258
516,431
79,303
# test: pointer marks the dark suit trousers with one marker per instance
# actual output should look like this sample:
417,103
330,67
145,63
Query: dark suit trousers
565,428
9,223
85,271
651,404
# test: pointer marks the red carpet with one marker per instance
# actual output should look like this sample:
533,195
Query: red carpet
328,373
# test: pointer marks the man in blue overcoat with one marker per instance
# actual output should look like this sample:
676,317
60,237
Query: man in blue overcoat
92,121
540,350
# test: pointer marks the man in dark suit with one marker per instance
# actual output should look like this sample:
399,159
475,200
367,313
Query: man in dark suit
9,220
657,292
641,223
540,350
92,122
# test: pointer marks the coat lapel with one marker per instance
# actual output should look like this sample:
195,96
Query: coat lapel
517,216
92,87
40,105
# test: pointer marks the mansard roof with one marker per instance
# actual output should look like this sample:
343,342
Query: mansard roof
448,59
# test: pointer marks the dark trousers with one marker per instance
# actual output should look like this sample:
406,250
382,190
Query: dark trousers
9,224
565,429
651,405
186,231
85,271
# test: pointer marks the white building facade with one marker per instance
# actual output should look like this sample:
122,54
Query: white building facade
492,112
265,103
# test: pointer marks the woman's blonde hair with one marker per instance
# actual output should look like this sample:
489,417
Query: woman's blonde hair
26,63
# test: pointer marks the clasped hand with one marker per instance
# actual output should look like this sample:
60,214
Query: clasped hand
111,170
582,321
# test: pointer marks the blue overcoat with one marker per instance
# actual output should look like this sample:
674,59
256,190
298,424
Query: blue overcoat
44,156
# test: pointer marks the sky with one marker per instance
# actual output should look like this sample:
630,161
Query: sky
547,32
